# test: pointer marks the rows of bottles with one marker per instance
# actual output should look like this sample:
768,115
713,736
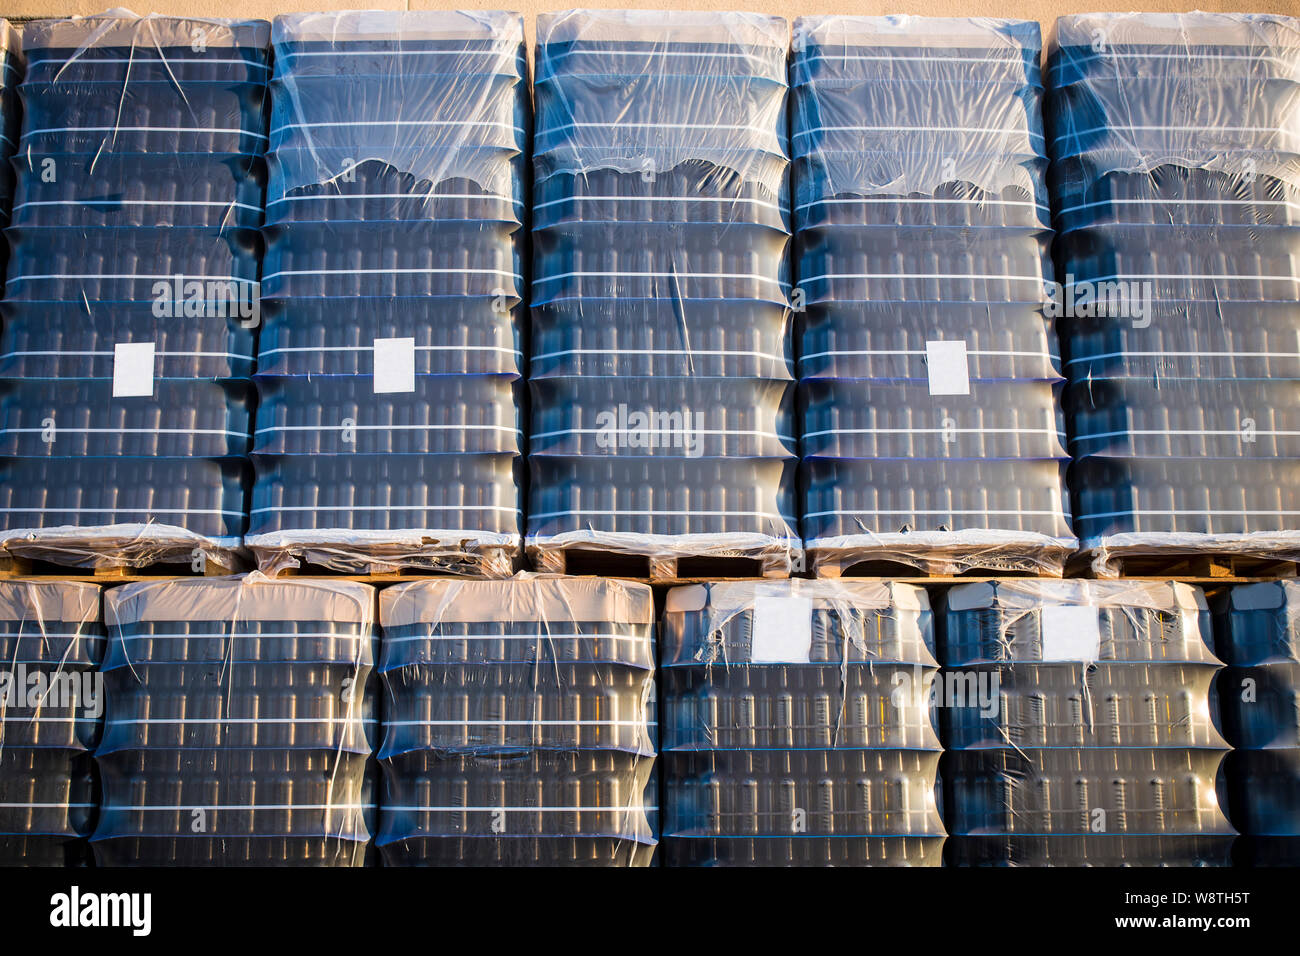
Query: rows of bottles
293,289
544,720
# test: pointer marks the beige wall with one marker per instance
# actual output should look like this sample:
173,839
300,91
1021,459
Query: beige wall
1045,11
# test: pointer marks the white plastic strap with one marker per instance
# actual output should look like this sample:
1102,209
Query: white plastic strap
946,511
948,431
1179,512
140,129
532,638
1000,352
385,272
699,352
657,513
81,509
394,508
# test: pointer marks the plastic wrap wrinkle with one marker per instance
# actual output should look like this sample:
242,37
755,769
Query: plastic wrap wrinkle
639,46
671,545
121,27
1107,551
120,545
1129,147
933,129
433,151
551,598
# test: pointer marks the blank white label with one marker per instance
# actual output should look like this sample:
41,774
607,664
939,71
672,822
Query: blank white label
782,630
133,369
1071,633
394,365
949,372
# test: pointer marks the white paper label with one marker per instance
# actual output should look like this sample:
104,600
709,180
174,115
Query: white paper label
394,365
782,630
133,369
949,372
1071,633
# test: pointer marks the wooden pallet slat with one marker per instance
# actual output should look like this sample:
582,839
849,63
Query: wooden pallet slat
14,567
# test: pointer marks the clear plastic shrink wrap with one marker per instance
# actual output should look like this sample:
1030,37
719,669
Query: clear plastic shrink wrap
798,727
929,371
51,714
1258,632
519,723
131,304
661,371
1080,725
1175,143
388,430
241,721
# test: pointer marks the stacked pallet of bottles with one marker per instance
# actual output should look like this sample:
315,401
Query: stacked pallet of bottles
1258,633
519,723
660,376
51,710
1079,725
240,724
928,373
131,301
1177,204
388,432
798,726
11,74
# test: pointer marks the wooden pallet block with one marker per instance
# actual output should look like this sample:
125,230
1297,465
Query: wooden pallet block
12,566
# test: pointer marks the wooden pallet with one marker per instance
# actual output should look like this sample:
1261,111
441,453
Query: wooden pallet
389,564
13,567
851,563
619,564
1205,566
